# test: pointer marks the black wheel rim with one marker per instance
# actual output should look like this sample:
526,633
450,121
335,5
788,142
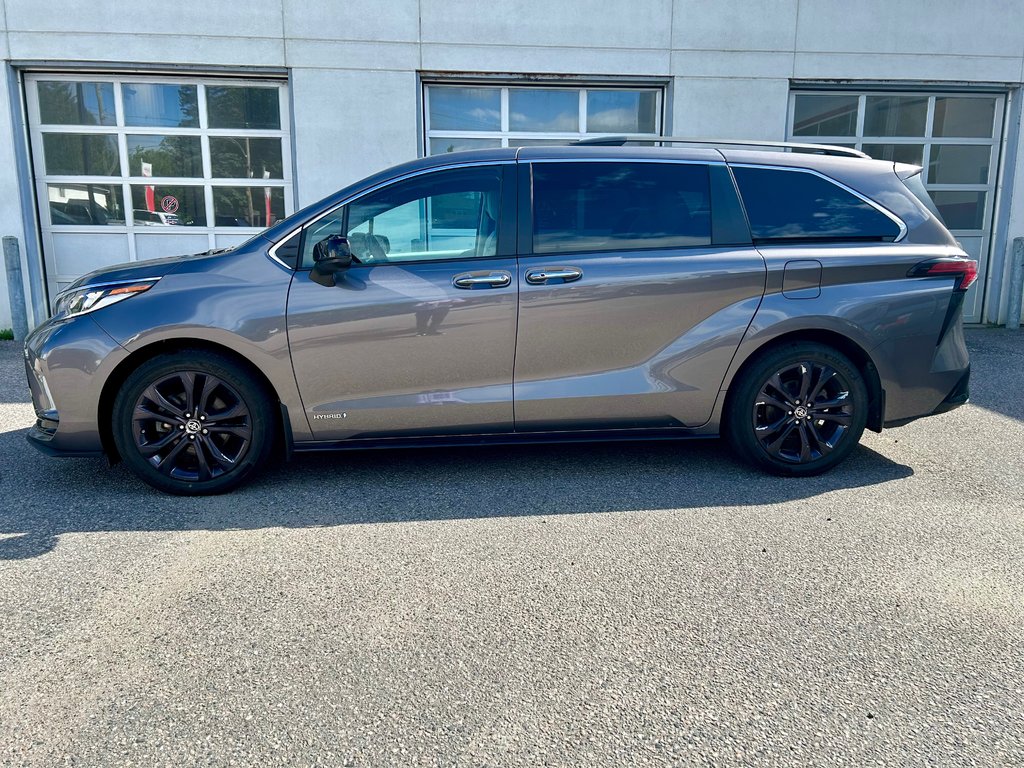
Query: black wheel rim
803,412
192,426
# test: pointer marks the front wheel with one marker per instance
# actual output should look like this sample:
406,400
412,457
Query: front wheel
192,423
797,410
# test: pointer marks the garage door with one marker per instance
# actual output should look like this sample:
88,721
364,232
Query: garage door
133,168
954,136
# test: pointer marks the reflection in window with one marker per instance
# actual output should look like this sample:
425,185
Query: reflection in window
157,104
76,103
961,210
964,117
231,106
465,109
441,146
81,154
160,205
792,205
247,206
620,206
543,110
825,115
959,164
895,115
621,111
245,157
179,156
898,153
85,204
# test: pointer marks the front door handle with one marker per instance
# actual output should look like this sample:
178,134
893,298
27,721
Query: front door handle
471,280
541,276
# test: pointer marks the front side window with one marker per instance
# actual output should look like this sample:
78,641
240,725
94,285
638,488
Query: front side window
450,214
620,206
795,205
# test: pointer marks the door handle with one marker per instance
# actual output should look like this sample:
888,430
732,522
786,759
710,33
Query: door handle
492,280
541,276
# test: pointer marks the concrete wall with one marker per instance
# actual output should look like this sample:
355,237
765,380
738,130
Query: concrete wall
353,64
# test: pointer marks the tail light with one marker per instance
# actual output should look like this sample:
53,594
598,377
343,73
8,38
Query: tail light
965,270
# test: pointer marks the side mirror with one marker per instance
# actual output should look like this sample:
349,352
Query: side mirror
333,254
330,255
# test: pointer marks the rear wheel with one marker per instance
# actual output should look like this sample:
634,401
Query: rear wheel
798,410
193,423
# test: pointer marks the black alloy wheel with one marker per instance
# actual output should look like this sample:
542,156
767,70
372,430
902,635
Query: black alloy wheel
193,423
798,409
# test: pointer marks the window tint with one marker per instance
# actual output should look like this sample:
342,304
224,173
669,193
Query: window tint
794,205
619,206
445,215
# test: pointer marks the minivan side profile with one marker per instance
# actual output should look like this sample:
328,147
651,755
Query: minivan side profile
783,300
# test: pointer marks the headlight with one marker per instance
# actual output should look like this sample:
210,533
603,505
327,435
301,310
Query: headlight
89,298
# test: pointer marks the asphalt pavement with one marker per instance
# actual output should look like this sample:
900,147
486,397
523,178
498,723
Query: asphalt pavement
624,604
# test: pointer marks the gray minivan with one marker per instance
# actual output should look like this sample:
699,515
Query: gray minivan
785,300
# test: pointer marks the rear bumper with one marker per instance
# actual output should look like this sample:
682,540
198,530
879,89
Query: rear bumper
959,395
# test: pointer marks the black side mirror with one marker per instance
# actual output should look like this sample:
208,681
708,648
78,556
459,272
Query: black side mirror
332,254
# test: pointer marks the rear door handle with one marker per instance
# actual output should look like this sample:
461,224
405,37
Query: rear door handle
541,276
470,280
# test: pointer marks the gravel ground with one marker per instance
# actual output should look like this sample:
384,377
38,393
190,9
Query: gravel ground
616,605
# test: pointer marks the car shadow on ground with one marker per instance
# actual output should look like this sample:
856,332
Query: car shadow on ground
46,497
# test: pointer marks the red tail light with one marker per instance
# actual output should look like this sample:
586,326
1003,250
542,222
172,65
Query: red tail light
964,269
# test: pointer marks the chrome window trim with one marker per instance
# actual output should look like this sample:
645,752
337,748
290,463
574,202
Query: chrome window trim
663,160
795,169
272,253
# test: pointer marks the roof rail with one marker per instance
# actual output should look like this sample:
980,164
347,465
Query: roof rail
792,146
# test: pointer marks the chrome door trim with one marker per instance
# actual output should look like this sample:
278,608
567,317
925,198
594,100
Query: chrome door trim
540,275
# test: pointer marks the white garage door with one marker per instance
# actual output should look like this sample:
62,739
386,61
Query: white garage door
954,136
133,168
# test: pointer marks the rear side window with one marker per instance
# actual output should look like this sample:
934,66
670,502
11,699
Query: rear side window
619,206
794,205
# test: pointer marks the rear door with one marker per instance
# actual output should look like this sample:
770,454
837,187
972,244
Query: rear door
637,282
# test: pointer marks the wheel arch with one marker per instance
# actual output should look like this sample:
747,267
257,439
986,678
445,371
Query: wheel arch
844,344
139,356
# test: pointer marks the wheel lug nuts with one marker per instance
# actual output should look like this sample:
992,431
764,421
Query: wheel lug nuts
188,415
205,431
202,418
181,426
191,437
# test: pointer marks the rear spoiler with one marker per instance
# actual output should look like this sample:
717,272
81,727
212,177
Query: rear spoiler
906,171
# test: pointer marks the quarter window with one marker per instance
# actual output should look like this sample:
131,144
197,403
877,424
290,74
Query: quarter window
795,205
620,206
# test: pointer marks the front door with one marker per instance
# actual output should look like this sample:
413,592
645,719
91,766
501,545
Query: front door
417,337
632,300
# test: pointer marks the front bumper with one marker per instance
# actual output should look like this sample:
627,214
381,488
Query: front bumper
67,363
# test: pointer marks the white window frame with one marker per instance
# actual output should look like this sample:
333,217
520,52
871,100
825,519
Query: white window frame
121,131
504,134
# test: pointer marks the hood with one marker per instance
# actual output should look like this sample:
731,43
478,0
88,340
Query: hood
140,270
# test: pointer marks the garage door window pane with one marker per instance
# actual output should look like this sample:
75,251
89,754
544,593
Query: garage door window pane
165,156
160,105
239,107
165,206
543,110
465,109
78,154
622,111
619,206
247,206
895,115
825,115
441,146
961,210
73,103
898,153
245,158
90,204
959,164
964,117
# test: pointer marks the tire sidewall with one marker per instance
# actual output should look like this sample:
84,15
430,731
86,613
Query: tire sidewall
256,399
740,432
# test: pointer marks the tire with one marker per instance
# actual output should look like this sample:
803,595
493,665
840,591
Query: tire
769,425
193,423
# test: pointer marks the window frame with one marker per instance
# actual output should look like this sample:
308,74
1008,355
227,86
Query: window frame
823,239
125,181
506,245
504,135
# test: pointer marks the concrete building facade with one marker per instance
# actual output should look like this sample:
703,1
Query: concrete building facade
133,131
